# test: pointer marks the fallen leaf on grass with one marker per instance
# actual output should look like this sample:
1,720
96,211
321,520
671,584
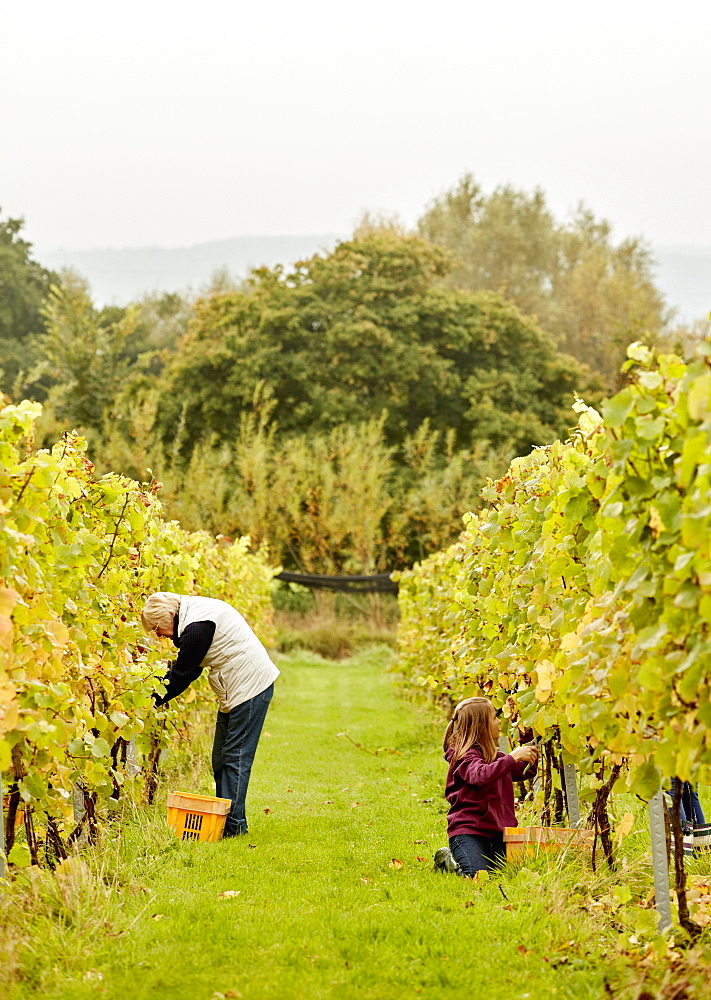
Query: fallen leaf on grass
158,916
394,863
267,810
251,845
420,858
93,974
354,804
419,841
227,995
522,949
366,880
328,802
229,893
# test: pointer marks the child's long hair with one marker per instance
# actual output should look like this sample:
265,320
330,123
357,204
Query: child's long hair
472,725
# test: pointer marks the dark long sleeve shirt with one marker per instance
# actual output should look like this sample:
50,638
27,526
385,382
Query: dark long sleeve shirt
480,795
193,645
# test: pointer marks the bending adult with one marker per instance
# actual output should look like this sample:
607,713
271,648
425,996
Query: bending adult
213,635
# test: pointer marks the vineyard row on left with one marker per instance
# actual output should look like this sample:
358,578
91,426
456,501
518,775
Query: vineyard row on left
78,554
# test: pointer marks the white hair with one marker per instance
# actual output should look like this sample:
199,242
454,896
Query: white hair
159,611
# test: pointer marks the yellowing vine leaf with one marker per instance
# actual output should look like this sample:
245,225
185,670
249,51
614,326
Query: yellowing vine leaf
8,600
6,632
58,633
545,672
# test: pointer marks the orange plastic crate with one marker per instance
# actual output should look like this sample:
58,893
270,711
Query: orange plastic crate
528,841
197,817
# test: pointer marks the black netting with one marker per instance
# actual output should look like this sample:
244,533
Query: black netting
379,583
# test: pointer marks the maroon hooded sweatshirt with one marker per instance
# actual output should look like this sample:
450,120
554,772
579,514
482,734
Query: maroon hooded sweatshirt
480,795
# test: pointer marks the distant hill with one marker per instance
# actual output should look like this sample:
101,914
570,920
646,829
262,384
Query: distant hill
118,276
122,275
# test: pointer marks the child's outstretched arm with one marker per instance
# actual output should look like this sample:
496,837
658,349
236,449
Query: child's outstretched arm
477,772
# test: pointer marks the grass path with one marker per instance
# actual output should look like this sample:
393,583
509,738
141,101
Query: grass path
337,897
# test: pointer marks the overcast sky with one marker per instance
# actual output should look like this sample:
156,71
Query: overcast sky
172,122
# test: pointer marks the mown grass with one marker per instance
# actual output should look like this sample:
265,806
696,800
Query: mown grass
336,893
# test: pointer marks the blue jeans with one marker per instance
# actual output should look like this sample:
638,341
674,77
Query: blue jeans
691,813
237,733
475,853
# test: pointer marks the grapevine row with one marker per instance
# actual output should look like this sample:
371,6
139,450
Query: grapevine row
78,554
579,600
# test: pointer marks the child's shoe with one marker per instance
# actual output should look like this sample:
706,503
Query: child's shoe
444,861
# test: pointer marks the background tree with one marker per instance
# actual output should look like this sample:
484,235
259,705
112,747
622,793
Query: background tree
24,286
160,321
84,353
593,295
368,328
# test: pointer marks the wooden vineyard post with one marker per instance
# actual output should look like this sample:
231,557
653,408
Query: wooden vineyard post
660,860
571,794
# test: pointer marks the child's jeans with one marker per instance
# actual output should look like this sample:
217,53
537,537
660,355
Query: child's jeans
475,853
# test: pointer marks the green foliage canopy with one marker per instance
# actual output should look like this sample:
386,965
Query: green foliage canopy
367,328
